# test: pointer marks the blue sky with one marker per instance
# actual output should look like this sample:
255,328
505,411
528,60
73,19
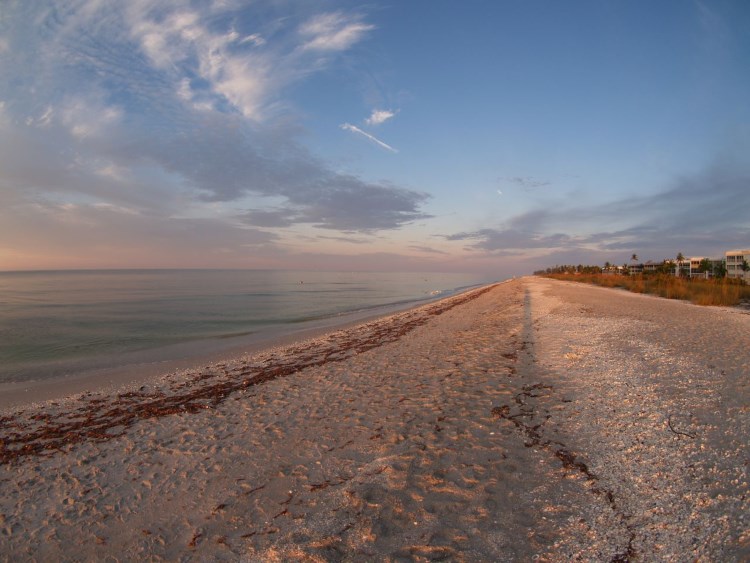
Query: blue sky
494,137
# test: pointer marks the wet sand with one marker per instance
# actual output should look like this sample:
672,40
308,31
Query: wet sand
528,419
121,373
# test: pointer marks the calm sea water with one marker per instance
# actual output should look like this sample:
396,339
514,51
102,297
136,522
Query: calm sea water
54,323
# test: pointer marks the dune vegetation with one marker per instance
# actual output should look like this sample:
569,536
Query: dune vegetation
725,291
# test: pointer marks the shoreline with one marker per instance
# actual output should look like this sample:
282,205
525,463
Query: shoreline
73,419
142,368
109,381
526,420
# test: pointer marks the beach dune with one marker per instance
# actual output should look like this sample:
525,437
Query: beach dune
532,418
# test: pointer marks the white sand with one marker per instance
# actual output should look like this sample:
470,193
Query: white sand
537,419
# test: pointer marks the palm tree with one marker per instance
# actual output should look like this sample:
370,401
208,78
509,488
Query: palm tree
678,268
634,260
705,265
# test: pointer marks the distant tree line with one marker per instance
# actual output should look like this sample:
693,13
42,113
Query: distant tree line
570,269
717,268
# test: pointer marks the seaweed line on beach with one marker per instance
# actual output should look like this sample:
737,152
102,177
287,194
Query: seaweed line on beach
569,460
105,418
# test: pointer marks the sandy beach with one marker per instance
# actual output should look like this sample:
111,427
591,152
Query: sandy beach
532,419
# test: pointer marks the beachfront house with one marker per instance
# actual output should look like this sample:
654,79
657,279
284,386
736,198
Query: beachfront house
689,267
613,270
652,267
738,264
695,266
682,267
635,269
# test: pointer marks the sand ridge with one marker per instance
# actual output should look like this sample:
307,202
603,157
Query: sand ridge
534,420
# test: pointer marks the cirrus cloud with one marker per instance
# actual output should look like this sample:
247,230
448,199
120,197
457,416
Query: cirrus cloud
175,112
333,32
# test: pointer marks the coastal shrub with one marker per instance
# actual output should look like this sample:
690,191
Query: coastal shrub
638,286
725,292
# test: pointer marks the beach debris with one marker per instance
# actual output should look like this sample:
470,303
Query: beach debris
100,419
678,432
194,540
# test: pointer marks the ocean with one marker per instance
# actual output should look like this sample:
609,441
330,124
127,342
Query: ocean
59,323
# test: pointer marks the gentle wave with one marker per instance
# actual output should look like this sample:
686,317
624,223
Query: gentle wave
59,322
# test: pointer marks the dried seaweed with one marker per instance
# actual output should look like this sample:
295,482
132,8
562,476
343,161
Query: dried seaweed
100,419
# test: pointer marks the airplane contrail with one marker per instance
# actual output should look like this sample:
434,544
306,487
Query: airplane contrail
353,128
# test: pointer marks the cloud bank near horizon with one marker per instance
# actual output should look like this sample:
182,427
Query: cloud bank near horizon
696,214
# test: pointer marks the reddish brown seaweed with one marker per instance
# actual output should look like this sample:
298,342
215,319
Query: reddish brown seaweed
101,419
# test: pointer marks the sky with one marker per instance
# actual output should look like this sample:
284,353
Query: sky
495,137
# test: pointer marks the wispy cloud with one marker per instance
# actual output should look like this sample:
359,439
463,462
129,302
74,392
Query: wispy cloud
85,116
347,240
255,38
124,119
513,238
180,42
335,31
355,129
696,214
379,116
527,182
268,217
427,249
